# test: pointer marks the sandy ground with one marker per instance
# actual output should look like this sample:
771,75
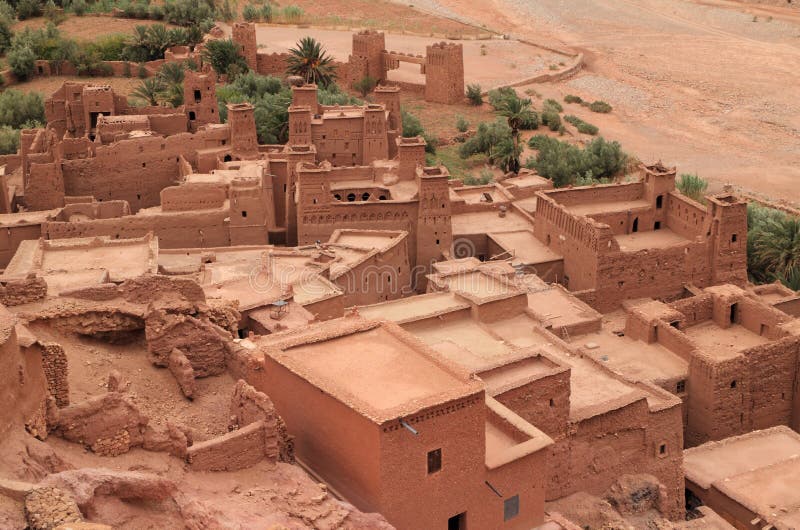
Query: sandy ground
707,85
48,85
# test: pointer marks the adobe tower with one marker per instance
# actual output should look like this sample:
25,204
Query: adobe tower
444,73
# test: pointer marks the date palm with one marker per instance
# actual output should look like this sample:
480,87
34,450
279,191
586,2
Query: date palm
774,249
150,91
516,111
309,60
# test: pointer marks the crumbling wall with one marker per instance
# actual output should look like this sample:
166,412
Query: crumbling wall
18,292
204,344
248,405
695,308
237,449
56,370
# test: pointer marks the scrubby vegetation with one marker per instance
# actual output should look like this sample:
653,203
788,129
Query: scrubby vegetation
773,246
582,126
224,57
413,127
462,125
600,106
569,98
494,140
692,185
475,95
566,164
18,110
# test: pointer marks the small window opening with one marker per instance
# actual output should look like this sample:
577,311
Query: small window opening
680,388
733,383
662,449
434,461
511,508
660,201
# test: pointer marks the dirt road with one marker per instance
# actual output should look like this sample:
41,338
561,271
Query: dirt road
711,86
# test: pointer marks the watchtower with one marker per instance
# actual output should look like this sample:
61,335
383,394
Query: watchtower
244,35
444,73
200,98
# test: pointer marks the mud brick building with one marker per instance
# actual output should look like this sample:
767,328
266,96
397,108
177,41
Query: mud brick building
394,427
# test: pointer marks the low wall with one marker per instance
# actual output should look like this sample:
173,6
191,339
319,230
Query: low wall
239,449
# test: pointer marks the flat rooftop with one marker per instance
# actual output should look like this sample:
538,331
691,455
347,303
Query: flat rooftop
509,437
366,239
463,341
380,371
637,360
662,238
415,307
723,343
554,307
480,194
590,208
525,248
529,204
716,461
485,222
477,285
517,372
758,470
120,258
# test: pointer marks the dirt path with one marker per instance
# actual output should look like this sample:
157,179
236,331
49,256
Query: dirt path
707,85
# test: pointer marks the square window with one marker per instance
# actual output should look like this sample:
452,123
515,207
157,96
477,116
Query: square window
434,461
681,387
733,238
511,508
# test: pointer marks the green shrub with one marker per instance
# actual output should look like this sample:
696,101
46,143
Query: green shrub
250,13
551,119
566,164
498,95
266,12
7,12
600,106
190,12
9,140
552,105
413,127
224,57
29,9
141,72
569,98
462,125
110,47
292,14
474,95
488,136
22,62
6,35
156,12
582,126
19,109
692,185
77,7
365,85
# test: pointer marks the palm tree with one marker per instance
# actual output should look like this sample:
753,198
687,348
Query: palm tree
506,155
774,249
517,111
149,90
224,57
171,76
310,61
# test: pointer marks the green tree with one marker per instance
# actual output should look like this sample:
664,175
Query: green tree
487,140
9,140
224,57
149,91
517,112
19,109
22,61
475,95
773,246
171,76
309,60
365,85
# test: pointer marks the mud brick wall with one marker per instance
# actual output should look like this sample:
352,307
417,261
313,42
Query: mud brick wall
44,188
686,217
771,375
665,430
248,405
56,369
19,292
696,308
716,399
271,63
239,449
543,403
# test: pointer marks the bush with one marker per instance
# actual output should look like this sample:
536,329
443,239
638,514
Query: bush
141,72
475,95
413,127
224,57
692,185
582,126
110,47
553,105
156,12
9,140
600,106
189,12
29,9
462,125
19,109
292,14
365,85
22,62
569,98
551,119
77,7
487,138
497,96
266,12
7,12
5,35
566,164
250,13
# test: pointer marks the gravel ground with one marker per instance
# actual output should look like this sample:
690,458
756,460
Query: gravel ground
614,92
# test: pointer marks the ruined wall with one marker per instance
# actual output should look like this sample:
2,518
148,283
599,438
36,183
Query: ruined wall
271,63
235,450
204,344
17,292
207,228
56,370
